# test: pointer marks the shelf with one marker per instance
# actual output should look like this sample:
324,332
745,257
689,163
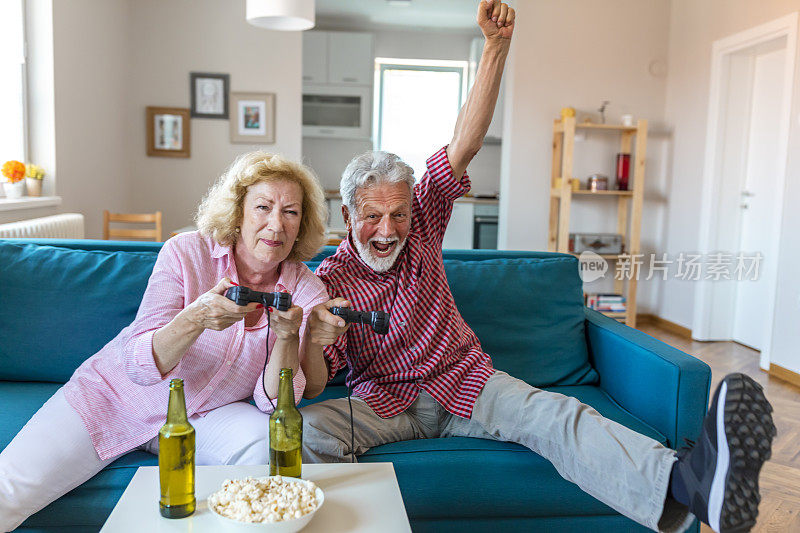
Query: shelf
610,314
584,192
608,127
603,193
604,256
559,127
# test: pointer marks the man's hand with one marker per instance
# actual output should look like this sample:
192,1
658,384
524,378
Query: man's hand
496,19
323,326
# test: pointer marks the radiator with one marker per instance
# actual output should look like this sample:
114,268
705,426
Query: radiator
64,226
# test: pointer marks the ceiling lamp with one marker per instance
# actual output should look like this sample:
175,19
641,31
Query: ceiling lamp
284,15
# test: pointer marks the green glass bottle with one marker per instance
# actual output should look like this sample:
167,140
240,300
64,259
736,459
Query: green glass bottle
285,431
176,441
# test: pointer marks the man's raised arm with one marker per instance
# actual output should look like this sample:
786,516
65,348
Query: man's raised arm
496,21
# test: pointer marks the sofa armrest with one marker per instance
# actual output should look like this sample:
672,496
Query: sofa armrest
662,386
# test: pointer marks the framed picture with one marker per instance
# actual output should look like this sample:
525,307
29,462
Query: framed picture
209,94
253,118
168,131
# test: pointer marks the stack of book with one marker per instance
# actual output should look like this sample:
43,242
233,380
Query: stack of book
606,303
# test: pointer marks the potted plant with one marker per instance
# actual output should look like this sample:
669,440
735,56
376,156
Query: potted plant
33,179
14,172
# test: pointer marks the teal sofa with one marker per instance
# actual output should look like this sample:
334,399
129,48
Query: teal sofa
62,300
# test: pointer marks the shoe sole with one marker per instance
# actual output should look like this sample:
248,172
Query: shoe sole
744,440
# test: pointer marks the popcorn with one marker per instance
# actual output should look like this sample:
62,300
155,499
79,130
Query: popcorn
264,499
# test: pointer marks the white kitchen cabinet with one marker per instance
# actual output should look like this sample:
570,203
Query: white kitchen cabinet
350,58
315,62
337,58
459,230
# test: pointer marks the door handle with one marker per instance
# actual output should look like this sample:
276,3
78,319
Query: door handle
744,206
748,194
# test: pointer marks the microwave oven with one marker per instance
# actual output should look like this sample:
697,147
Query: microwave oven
340,112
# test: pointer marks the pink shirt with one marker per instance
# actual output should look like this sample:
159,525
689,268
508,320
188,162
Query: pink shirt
120,393
429,345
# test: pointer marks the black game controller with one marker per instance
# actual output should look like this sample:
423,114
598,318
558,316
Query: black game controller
282,301
377,320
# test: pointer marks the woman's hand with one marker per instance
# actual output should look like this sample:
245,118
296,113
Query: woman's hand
323,326
286,324
212,310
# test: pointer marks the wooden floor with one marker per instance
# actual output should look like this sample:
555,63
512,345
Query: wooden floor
780,477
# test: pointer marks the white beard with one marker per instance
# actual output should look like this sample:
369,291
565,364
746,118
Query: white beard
378,264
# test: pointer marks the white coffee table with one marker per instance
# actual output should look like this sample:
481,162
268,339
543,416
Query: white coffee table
358,497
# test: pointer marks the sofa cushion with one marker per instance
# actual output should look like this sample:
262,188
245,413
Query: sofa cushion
83,300
528,315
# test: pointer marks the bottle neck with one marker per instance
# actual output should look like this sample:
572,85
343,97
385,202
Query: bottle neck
285,389
176,411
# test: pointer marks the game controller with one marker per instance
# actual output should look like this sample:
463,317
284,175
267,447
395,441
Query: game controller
241,295
377,320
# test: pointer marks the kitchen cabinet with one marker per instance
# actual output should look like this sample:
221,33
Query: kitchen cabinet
338,58
350,59
459,230
315,62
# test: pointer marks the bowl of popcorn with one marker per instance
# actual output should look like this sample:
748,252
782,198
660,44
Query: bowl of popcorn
276,504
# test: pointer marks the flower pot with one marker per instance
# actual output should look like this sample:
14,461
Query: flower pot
34,186
14,190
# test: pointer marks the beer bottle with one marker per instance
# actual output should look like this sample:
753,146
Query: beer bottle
285,431
176,457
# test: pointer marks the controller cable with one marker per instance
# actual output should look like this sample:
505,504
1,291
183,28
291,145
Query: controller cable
350,403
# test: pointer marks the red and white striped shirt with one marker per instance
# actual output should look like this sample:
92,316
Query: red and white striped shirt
429,346
120,393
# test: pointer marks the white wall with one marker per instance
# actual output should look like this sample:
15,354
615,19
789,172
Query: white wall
168,40
578,53
92,137
328,157
694,27
111,59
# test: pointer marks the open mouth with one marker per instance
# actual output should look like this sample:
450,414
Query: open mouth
383,249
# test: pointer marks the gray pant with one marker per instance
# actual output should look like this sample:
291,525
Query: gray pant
623,469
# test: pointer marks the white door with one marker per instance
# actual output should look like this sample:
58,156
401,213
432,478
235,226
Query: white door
315,57
350,58
759,196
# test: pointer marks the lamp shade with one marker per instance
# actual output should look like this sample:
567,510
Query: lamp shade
284,15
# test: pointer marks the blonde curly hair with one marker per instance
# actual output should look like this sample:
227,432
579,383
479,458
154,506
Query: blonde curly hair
220,212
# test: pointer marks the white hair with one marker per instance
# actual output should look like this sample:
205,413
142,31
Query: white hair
371,168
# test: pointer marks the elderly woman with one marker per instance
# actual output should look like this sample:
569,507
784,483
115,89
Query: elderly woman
260,219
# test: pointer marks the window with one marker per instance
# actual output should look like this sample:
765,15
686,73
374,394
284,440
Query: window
12,90
417,104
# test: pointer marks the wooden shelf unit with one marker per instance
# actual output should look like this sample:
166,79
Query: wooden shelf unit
633,140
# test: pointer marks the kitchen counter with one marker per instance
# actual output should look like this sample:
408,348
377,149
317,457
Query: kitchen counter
334,195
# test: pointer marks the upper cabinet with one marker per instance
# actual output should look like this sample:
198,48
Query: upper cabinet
337,58
315,57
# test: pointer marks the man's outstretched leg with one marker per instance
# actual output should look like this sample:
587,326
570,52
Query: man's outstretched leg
717,478
631,473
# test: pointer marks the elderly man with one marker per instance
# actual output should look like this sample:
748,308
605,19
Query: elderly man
429,377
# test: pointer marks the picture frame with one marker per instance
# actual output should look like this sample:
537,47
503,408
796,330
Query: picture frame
209,94
252,118
168,131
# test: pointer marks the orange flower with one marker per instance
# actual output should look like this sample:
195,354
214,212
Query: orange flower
14,171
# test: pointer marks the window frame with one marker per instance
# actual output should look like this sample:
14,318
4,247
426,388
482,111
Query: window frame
384,64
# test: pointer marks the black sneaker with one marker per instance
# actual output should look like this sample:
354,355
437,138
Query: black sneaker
720,472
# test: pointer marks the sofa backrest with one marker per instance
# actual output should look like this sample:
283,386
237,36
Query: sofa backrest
63,300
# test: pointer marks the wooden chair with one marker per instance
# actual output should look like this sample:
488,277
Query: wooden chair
135,218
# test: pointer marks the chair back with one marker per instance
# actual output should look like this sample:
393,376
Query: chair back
153,234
